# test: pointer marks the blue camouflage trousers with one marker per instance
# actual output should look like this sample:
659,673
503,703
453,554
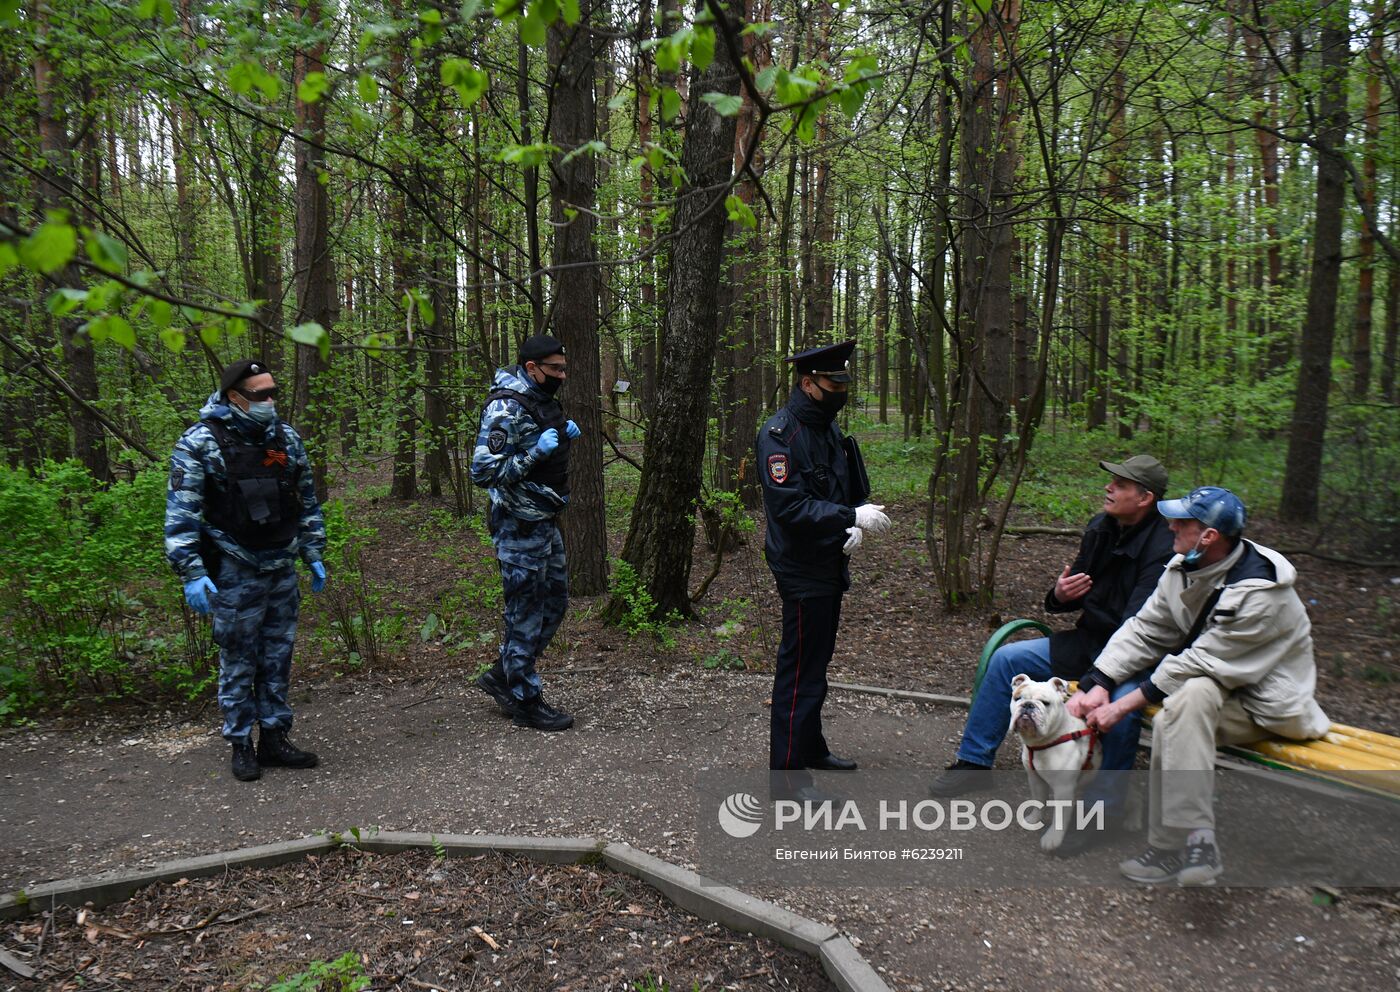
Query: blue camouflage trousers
535,587
255,626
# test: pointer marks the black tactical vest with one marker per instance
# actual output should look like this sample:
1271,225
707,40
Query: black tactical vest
554,470
256,503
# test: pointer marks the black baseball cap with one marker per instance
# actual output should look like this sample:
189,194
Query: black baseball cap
540,346
236,372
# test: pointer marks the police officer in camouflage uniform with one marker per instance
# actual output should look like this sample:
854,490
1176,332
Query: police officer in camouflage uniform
240,509
522,458
815,494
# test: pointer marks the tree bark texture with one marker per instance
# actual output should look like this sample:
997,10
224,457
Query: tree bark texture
1366,242
315,282
573,188
659,541
1303,470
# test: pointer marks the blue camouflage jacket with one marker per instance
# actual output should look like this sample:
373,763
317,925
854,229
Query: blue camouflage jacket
197,457
504,453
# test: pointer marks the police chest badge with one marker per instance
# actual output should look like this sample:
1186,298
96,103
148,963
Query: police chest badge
496,441
778,468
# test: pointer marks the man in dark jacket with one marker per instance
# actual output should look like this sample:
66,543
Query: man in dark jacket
1121,557
814,497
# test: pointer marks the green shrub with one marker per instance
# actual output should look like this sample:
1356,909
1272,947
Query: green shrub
639,606
88,604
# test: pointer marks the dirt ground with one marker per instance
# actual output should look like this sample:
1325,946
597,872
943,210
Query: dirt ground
410,745
407,921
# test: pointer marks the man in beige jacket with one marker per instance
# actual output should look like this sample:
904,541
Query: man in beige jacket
1232,648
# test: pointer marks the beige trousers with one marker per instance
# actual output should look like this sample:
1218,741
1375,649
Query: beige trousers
1193,721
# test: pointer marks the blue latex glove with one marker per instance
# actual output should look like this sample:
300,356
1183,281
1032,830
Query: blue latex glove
197,593
548,441
318,576
572,430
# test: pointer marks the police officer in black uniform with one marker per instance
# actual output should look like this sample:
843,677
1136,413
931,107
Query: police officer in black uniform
815,494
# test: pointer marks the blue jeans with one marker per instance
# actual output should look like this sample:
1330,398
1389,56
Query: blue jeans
990,717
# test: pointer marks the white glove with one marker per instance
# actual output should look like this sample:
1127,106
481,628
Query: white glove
853,542
871,517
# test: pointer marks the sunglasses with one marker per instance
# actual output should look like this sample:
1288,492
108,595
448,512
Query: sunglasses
258,395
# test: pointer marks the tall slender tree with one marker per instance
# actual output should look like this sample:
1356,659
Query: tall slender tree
1303,471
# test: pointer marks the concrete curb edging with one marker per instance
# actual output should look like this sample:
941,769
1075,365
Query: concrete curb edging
910,694
552,850
694,893
740,911
110,887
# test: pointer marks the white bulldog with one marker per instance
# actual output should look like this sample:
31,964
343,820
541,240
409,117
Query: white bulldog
1059,751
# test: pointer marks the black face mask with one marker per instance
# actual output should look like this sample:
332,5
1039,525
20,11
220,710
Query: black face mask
550,385
831,403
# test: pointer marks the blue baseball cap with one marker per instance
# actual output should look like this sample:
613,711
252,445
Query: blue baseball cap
1211,505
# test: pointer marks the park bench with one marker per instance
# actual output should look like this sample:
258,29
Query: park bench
1349,756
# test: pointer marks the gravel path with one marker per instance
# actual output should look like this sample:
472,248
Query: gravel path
429,754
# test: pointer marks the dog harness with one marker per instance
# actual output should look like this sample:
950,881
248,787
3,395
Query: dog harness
1072,736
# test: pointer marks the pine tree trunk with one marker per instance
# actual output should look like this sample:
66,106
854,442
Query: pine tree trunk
532,190
660,539
573,188
315,283
1366,242
1303,471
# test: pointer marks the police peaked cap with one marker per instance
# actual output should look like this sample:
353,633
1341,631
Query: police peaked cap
829,360
236,372
540,346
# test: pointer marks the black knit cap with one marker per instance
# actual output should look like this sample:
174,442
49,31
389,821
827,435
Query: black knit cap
236,372
540,346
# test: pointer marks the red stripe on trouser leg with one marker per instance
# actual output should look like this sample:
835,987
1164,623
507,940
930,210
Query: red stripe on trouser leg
797,680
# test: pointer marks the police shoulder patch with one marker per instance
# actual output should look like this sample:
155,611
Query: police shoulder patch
778,468
496,441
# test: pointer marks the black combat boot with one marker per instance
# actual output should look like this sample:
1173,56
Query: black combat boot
245,762
493,683
536,713
274,750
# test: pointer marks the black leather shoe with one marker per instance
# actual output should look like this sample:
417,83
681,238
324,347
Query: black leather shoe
831,763
539,715
960,778
245,762
811,794
276,751
493,683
